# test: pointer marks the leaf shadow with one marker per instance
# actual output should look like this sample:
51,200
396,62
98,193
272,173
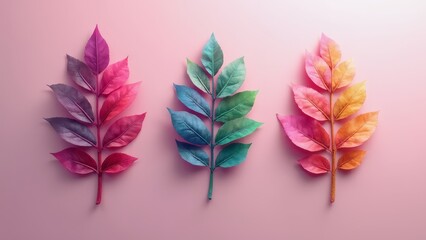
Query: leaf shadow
65,175
63,178
226,173
184,169
346,173
115,177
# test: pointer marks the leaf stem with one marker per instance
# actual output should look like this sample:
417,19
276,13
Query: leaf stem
99,196
212,145
333,153
210,185
99,146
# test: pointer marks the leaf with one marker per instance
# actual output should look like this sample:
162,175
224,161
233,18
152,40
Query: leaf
318,71
229,110
329,51
312,103
232,155
81,74
309,134
235,106
123,131
212,57
192,154
197,76
315,164
117,162
114,76
236,129
342,75
74,102
350,160
356,131
190,127
305,132
96,53
72,131
350,101
118,98
76,161
231,78
192,99
118,101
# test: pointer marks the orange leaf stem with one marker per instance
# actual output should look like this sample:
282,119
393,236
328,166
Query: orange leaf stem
333,153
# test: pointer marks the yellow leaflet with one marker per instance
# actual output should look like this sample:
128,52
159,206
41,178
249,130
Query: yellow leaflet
350,101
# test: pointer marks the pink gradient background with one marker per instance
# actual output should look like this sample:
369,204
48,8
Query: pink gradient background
162,197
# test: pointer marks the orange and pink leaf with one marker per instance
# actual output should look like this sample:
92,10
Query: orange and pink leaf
351,159
329,51
318,71
356,131
315,164
305,132
312,103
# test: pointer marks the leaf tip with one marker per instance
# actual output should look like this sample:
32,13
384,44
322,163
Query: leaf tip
295,86
278,115
135,85
325,38
189,62
376,115
308,56
176,85
141,117
281,117
213,37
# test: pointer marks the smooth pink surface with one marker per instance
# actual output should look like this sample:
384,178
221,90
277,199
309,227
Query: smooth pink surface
161,196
